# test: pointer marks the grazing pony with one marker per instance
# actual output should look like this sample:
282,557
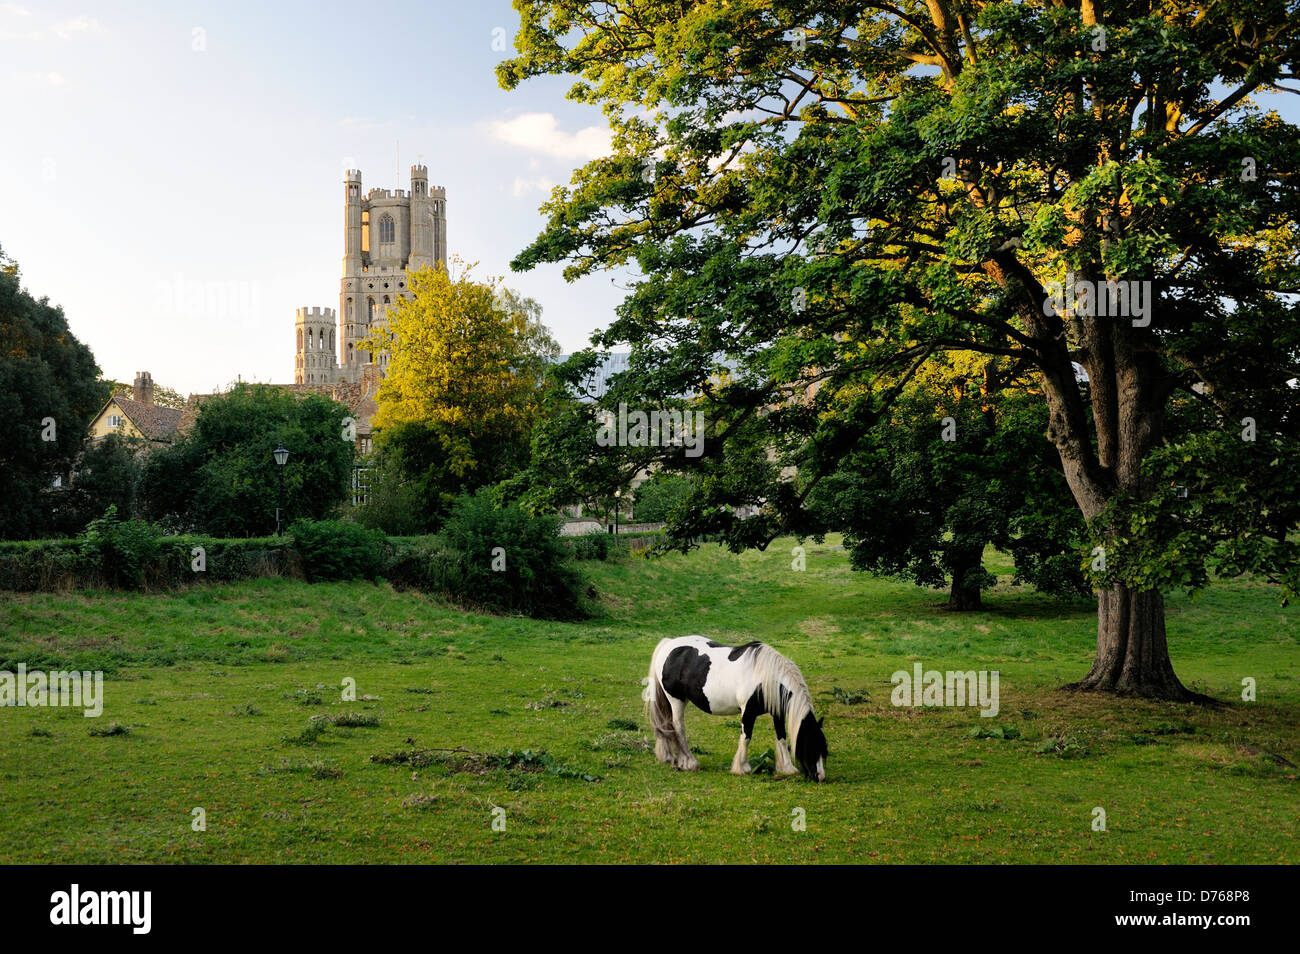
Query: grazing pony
723,680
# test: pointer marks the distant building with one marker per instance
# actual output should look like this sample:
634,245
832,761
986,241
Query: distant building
137,416
385,236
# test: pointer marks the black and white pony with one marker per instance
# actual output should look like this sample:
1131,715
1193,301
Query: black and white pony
723,680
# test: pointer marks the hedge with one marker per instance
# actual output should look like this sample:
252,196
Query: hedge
536,576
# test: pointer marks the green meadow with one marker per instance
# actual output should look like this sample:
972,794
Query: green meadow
475,738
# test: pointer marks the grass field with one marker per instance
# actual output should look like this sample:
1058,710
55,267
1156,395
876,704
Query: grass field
227,698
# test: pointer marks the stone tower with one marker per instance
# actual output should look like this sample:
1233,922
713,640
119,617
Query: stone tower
385,234
315,361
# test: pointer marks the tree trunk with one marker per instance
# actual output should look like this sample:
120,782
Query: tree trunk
964,597
1132,656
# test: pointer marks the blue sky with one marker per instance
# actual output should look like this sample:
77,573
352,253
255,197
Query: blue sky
171,174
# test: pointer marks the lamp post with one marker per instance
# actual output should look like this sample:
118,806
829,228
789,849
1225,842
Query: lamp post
618,500
281,455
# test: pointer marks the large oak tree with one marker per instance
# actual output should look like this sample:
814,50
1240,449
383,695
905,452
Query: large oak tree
831,194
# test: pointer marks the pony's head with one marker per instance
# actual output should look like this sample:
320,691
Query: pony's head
810,748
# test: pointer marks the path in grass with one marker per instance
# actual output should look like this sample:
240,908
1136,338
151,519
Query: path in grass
229,700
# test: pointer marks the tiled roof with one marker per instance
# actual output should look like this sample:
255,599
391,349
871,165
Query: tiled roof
155,422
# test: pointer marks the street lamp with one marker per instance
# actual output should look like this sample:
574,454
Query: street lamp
618,500
281,455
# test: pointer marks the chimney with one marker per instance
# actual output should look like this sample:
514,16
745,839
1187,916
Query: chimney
144,387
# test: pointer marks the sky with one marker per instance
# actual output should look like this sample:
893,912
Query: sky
171,174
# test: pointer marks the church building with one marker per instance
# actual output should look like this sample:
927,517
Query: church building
386,234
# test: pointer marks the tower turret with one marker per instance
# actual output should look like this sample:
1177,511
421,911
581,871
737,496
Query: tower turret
438,204
316,361
421,220
352,220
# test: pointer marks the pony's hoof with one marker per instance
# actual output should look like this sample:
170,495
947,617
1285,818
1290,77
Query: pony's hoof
742,769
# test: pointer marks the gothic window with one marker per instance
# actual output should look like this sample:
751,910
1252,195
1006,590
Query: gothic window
349,309
299,339
386,301
349,352
322,340
370,309
331,341
387,231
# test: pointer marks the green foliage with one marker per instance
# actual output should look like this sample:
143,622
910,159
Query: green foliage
123,550
590,546
850,697
222,479
49,565
1005,732
337,549
420,468
655,499
1202,516
565,465
825,219
533,574
107,475
914,504
49,388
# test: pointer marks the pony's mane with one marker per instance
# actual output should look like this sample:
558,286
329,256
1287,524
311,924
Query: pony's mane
775,672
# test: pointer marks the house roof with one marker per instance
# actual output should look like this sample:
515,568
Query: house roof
155,422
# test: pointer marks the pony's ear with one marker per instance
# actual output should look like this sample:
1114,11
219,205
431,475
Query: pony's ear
820,721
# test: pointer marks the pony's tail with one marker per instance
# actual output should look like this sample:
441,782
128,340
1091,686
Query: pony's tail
658,710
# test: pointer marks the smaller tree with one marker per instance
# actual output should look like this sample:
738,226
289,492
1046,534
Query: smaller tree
106,475
222,478
959,462
463,388
656,498
565,464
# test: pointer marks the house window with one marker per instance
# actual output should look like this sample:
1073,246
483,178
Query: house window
115,420
387,231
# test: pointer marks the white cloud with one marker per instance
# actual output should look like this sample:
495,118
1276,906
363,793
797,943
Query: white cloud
81,24
42,79
64,30
541,132
525,186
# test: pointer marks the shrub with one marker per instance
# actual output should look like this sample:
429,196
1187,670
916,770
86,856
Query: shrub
590,546
504,560
655,500
337,549
124,551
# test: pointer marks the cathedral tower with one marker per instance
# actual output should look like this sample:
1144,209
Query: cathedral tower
386,234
